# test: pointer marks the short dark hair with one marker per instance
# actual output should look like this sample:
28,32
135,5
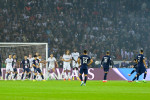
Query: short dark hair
141,50
107,52
85,51
35,55
134,59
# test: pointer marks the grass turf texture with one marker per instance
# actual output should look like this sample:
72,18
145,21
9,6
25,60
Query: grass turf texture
71,90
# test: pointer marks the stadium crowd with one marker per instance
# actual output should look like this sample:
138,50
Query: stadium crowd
120,26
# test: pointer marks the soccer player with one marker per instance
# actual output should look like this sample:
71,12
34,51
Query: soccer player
66,64
14,65
140,67
36,65
30,58
26,67
75,64
9,68
135,67
85,62
52,61
106,63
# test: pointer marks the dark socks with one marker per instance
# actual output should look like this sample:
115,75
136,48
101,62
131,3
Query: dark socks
15,76
134,78
29,75
42,76
7,75
34,76
81,78
85,79
138,77
22,76
105,76
145,75
132,72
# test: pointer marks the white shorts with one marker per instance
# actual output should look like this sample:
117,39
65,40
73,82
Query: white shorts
66,67
9,69
74,64
51,67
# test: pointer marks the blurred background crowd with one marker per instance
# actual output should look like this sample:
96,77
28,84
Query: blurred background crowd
120,26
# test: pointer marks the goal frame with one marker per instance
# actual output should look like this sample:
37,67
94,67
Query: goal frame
26,44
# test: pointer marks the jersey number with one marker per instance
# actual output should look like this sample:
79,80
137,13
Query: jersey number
85,60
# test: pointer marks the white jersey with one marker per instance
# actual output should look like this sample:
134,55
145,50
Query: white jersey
51,61
30,61
9,62
75,55
40,63
67,57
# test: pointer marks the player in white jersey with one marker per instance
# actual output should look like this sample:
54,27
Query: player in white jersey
75,64
41,62
9,68
66,64
52,64
30,58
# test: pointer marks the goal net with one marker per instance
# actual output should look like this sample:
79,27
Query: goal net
22,49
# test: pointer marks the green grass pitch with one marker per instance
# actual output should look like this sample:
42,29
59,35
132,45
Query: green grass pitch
71,90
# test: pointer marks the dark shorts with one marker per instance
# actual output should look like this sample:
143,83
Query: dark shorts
141,70
26,70
37,70
15,69
83,70
106,69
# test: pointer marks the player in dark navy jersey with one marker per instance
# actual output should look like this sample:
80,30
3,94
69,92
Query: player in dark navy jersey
85,61
141,67
106,63
26,67
134,66
14,65
36,65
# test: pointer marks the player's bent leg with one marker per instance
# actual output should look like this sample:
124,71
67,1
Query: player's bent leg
144,77
105,76
85,79
69,72
65,75
73,71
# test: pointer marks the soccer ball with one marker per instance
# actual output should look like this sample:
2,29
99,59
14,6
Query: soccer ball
97,62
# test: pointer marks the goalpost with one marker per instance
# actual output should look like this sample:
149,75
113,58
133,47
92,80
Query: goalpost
22,49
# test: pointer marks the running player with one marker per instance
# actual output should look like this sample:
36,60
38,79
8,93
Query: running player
36,65
84,66
75,65
26,67
14,65
52,61
66,64
9,68
106,63
140,67
134,66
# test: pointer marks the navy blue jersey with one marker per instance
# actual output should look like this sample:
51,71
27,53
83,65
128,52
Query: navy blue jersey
14,63
140,59
84,60
106,61
25,63
135,66
36,62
